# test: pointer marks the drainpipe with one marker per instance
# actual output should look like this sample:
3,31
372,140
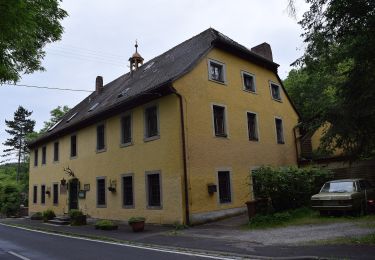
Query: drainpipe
186,188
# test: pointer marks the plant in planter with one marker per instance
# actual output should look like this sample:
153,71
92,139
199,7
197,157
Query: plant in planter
105,224
137,223
77,218
37,216
48,215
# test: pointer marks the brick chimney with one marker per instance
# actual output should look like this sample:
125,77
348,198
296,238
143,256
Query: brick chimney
264,50
99,84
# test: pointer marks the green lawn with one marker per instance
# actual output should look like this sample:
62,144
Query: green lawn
304,216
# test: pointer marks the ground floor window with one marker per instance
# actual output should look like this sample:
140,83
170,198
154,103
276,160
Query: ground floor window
153,189
55,193
224,187
127,191
101,194
43,194
35,194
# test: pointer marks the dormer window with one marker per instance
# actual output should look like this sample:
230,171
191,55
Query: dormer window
216,71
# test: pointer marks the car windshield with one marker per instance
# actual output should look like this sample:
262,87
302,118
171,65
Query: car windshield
343,186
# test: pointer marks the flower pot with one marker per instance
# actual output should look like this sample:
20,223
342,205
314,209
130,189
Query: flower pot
78,220
138,226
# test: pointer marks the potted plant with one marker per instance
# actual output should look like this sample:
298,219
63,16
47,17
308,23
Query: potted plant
77,218
137,223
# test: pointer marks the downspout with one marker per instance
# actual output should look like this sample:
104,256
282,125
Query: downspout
295,144
186,184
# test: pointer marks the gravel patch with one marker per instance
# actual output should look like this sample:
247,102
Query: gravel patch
282,236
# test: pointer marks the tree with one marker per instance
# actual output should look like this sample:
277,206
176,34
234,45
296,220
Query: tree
340,58
56,115
26,27
19,128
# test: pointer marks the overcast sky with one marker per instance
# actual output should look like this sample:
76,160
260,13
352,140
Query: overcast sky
99,38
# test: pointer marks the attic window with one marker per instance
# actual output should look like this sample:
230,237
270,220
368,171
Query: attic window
93,107
71,117
216,71
123,93
52,127
149,66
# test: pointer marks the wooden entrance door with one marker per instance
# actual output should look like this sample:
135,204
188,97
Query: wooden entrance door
73,194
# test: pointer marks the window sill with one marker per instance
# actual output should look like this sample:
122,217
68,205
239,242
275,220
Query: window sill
154,207
151,138
280,142
128,207
254,140
101,206
73,157
218,81
250,91
55,162
278,100
221,135
225,203
101,150
126,144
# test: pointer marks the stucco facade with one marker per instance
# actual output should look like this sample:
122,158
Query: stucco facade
193,153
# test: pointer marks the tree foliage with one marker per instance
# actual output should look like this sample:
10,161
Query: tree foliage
18,129
56,115
26,26
338,67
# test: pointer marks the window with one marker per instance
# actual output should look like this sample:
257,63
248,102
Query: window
252,126
126,129
35,194
127,191
279,131
43,194
73,146
219,121
275,91
100,187
56,151
100,140
224,187
151,122
153,190
44,154
248,81
216,71
55,193
36,157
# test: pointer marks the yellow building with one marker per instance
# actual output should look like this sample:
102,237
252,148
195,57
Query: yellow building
173,140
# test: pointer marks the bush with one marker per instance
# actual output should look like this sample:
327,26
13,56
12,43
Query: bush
77,218
288,187
105,224
135,219
48,214
10,199
37,216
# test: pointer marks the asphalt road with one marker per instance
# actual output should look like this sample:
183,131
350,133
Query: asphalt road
18,244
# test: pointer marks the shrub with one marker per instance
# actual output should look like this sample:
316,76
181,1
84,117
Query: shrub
37,216
77,218
135,219
288,187
48,214
10,200
105,224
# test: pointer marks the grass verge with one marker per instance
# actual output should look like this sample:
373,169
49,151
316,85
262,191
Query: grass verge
304,216
357,240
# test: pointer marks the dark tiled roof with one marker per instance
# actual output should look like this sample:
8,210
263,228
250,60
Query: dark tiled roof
157,72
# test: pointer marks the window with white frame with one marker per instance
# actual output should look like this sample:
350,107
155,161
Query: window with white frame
252,126
153,189
216,71
279,131
275,91
219,120
248,81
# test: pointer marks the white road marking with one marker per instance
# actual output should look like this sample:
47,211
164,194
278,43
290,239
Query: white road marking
18,255
158,249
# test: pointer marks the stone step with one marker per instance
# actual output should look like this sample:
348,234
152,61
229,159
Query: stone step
62,218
